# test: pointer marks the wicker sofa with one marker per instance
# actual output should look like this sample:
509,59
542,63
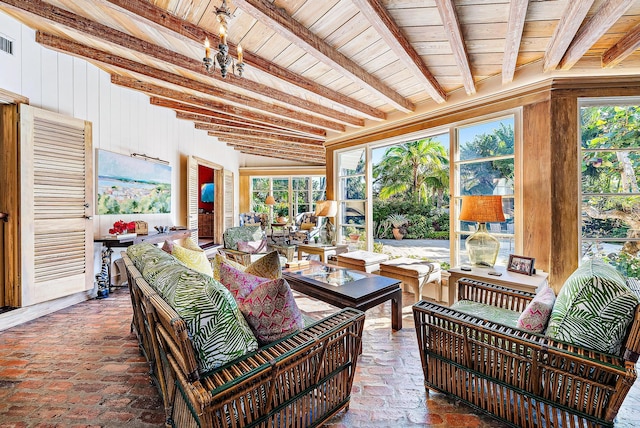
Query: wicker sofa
526,379
300,380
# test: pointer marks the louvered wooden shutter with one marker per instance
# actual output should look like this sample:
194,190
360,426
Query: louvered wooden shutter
192,196
228,199
56,172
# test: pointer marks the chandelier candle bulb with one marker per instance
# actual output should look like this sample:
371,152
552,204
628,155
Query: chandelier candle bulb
207,48
239,54
223,36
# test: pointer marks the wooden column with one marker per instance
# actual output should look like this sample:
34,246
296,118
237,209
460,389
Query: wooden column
563,178
536,185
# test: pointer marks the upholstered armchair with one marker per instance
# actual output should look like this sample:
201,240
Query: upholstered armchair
246,244
307,226
254,219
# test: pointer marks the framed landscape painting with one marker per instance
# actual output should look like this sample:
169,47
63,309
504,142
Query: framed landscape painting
128,185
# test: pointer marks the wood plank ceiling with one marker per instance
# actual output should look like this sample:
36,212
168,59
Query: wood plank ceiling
317,68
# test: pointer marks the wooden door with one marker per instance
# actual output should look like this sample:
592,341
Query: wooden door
193,193
228,202
10,293
192,197
56,203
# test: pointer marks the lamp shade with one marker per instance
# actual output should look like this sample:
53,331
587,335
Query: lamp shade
482,209
326,208
270,200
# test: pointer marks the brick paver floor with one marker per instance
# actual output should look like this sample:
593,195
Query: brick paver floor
80,367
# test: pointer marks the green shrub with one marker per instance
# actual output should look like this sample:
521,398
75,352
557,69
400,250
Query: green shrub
423,219
437,234
419,227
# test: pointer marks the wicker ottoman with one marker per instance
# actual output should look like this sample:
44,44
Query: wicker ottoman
416,274
364,261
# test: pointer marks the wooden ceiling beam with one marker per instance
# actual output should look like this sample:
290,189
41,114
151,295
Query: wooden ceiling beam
186,30
84,51
607,15
515,26
277,20
260,142
566,30
164,92
279,156
285,148
232,111
387,28
220,119
103,32
622,49
265,136
447,11
271,152
292,152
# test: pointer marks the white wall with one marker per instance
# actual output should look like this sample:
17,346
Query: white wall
123,120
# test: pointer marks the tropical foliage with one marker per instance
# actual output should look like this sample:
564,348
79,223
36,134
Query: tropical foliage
610,167
480,178
416,170
422,221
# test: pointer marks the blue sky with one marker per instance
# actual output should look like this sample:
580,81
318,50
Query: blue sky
466,134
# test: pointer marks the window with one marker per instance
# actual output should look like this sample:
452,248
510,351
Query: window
609,167
484,164
304,192
352,195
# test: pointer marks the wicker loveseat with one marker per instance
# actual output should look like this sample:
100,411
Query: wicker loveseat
526,379
299,380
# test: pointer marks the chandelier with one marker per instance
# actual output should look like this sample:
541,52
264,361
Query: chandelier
222,58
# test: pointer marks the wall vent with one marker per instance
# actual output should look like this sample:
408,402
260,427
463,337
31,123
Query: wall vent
6,45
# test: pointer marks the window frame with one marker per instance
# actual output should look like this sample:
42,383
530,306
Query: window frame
455,234
290,191
453,177
594,102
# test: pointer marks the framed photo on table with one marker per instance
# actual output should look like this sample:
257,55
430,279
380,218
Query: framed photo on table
521,264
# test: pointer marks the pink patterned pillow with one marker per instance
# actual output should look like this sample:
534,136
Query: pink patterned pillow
167,247
535,316
252,247
268,305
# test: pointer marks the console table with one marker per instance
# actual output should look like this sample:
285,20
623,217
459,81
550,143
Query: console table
506,278
110,242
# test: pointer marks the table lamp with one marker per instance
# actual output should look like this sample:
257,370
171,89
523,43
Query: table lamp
270,201
482,247
327,209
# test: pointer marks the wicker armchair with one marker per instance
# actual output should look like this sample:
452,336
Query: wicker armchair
525,379
233,236
306,228
254,219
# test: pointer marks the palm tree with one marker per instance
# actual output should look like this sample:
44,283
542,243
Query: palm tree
414,168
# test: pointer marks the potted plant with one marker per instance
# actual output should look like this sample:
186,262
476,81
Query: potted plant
399,223
353,233
282,211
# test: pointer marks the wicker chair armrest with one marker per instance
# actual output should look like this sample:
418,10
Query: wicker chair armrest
345,324
492,294
237,256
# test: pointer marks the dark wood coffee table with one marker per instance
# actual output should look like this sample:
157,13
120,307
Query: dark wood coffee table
343,287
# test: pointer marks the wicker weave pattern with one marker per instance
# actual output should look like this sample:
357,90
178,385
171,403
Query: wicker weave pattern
520,377
298,381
